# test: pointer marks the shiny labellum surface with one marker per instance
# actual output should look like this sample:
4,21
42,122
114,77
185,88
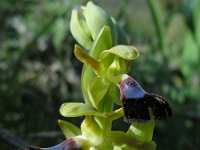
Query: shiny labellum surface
138,104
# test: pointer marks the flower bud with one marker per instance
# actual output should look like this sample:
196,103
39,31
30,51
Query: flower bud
80,30
96,18
86,26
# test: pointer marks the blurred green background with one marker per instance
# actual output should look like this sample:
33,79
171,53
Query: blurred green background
38,70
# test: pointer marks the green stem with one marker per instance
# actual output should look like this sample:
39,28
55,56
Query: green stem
122,9
159,26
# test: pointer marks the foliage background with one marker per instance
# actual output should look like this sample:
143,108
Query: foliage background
38,70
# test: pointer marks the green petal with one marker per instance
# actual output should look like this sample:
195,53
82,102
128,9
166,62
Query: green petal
86,58
79,30
116,61
69,129
123,51
78,109
97,89
117,68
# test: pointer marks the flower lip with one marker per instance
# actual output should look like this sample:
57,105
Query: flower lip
138,104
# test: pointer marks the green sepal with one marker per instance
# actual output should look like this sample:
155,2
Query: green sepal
82,142
78,109
80,31
102,42
142,131
69,129
92,130
96,18
97,89
106,104
122,139
115,94
123,51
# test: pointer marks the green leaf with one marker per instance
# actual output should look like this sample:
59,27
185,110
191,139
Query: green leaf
196,19
196,12
60,30
69,129
190,52
123,51
190,55
197,31
78,109
97,89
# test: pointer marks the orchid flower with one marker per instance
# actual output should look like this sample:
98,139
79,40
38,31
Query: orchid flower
104,50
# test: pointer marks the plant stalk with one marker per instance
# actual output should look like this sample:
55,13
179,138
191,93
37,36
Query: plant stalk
159,26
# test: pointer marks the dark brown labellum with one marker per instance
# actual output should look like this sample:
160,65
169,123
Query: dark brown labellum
138,104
